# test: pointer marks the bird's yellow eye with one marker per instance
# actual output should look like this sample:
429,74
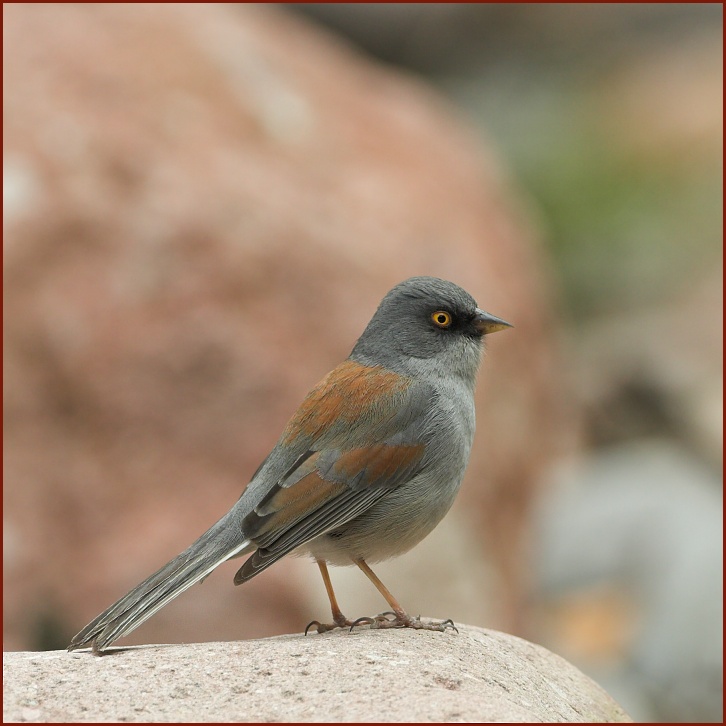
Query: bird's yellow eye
441,319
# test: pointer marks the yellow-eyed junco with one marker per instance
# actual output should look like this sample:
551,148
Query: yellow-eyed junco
365,469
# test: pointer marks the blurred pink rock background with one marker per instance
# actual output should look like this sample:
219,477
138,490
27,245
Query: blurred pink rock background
204,204
212,202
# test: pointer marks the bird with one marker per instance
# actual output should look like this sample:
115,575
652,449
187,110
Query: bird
366,467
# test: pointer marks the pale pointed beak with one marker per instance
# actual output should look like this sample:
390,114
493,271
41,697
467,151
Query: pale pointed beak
486,323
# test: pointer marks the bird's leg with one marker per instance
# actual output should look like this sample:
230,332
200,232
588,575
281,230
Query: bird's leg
402,619
339,620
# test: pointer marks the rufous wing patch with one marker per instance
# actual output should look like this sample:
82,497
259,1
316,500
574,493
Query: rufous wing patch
378,465
349,392
288,505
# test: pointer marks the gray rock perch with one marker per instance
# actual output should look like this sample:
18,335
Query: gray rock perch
385,676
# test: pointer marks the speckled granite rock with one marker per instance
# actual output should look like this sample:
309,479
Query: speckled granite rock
394,676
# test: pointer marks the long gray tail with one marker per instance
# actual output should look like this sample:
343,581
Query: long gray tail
218,544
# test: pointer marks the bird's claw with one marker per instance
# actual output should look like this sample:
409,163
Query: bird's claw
361,621
449,623
317,625
323,627
383,616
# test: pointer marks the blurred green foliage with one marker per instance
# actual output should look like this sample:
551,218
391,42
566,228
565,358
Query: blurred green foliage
625,228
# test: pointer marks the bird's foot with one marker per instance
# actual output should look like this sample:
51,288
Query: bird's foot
404,620
339,621
382,621
343,622
375,622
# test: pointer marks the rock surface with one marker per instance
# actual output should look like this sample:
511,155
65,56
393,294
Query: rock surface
394,676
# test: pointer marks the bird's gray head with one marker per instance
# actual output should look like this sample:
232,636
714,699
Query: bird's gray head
425,318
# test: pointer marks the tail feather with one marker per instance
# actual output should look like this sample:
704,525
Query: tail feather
220,543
